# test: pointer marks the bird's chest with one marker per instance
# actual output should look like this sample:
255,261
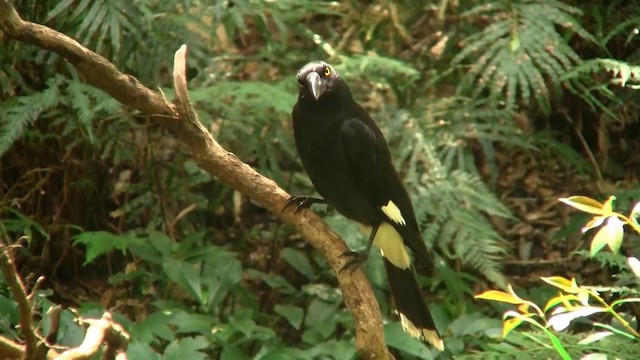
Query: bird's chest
323,157
318,143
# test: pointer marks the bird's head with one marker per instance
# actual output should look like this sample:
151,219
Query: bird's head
318,78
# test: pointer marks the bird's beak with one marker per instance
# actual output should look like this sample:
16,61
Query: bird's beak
316,85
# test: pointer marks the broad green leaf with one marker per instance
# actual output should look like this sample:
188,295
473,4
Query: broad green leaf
186,276
398,339
141,350
293,314
595,337
585,204
298,261
186,348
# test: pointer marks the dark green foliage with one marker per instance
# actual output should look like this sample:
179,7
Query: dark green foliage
97,192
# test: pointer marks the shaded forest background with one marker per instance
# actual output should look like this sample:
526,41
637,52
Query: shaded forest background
493,110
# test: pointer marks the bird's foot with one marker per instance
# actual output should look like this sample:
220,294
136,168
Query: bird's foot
356,260
302,202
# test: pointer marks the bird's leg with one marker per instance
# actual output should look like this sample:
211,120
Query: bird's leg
358,258
302,202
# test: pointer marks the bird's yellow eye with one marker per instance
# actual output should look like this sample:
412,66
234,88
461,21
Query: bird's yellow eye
327,72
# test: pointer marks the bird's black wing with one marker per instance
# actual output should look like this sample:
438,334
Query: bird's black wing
373,173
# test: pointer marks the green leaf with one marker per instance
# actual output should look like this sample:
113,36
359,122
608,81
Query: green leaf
293,314
186,276
141,350
101,242
298,261
186,348
398,339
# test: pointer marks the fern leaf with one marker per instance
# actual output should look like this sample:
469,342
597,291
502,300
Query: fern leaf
513,57
18,113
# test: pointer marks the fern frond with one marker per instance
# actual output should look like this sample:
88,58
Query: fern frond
452,207
20,112
514,56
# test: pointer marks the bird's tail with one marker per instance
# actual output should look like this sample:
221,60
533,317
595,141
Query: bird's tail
414,313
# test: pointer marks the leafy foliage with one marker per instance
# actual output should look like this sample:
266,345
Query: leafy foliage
207,274
520,49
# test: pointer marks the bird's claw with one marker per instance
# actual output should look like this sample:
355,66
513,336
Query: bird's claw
300,202
356,260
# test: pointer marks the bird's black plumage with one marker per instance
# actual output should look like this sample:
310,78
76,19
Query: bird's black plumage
348,161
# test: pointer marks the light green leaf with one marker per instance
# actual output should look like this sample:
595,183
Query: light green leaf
293,314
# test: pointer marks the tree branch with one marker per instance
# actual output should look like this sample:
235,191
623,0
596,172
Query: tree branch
100,331
181,119
19,293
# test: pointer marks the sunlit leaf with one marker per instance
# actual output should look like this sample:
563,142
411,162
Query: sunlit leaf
501,296
564,284
509,325
560,299
595,356
615,227
585,204
561,321
634,265
593,223
599,241
610,234
595,337
608,205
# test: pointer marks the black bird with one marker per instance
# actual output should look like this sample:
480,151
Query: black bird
347,159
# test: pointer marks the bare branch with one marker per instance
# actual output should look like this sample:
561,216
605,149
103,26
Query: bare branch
209,155
19,293
10,349
100,331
